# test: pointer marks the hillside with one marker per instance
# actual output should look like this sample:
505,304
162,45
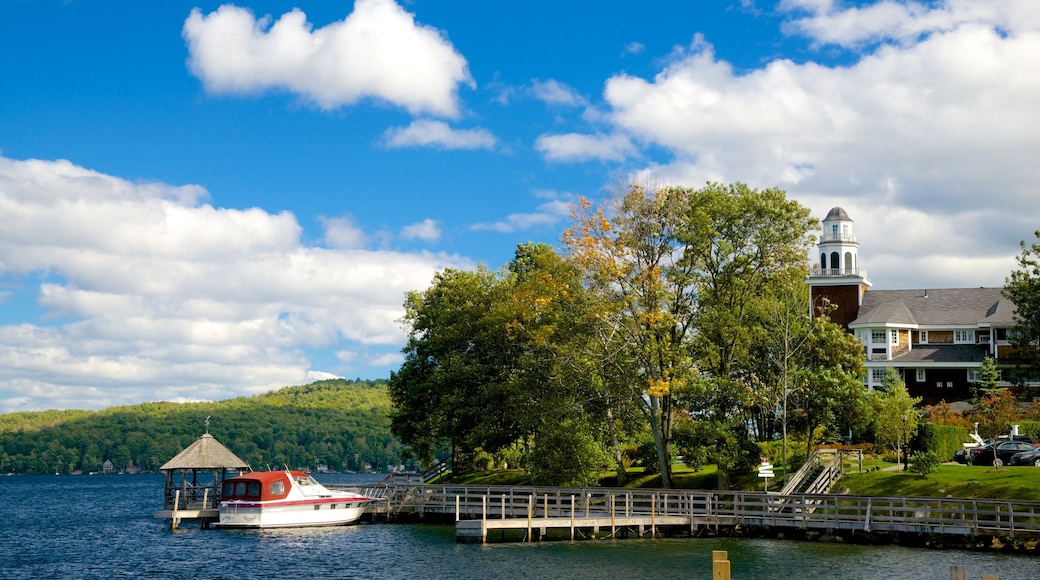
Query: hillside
338,423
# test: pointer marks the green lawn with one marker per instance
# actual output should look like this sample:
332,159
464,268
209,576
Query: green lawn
1011,483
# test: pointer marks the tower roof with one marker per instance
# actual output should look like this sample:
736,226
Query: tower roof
205,453
837,213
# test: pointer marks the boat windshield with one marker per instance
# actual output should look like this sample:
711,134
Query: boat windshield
306,480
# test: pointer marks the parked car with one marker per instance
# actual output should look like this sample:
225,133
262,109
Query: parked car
1030,457
963,455
999,453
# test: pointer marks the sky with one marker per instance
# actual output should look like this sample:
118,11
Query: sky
201,200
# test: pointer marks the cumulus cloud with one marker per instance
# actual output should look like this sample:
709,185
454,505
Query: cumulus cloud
428,133
826,22
427,230
554,92
149,295
580,147
342,232
935,122
378,51
548,214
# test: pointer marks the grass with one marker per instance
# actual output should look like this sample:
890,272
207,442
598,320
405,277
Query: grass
1008,483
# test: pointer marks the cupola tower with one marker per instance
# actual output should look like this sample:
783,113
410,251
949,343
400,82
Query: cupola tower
837,283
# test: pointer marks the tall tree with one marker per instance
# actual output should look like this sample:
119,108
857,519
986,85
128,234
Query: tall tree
632,261
1023,288
896,418
455,385
743,246
828,386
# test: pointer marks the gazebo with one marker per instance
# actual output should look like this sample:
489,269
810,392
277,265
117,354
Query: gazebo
184,495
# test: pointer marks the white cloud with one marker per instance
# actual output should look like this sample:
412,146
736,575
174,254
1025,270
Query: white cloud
939,128
425,230
149,297
553,92
904,22
379,51
548,214
426,133
634,48
341,232
579,147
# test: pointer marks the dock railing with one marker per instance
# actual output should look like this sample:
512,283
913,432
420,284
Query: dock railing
722,508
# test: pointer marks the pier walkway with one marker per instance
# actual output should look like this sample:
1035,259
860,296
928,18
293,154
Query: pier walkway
531,512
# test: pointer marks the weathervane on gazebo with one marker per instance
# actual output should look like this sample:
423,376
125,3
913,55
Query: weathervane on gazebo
207,424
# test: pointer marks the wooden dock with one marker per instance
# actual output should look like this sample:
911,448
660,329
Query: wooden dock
532,512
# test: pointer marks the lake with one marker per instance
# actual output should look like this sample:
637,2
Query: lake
102,526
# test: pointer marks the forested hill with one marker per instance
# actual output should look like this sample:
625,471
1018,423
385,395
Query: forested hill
338,423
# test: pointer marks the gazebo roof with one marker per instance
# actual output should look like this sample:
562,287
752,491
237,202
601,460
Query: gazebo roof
205,453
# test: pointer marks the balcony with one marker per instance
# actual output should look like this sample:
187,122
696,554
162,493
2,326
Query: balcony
837,273
846,238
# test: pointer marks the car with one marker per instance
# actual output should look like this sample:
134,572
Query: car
999,453
1030,457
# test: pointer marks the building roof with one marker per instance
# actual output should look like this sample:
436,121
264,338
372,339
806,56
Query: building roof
943,307
944,353
837,213
205,453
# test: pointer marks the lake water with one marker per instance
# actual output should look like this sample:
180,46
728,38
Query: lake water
103,527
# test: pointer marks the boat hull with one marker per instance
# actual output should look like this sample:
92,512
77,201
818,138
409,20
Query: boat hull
328,512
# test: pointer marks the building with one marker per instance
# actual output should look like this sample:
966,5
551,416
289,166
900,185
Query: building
936,339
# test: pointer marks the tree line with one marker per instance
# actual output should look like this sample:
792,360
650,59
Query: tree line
340,424
674,321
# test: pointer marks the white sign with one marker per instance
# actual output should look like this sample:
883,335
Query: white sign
766,469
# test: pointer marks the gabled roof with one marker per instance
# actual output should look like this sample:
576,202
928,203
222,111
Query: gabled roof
943,307
205,453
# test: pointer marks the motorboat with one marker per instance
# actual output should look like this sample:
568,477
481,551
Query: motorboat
284,499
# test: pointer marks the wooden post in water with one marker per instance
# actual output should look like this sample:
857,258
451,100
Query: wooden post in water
572,517
653,516
483,518
174,520
719,565
958,572
530,514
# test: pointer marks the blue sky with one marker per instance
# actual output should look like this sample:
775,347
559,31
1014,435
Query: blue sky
205,200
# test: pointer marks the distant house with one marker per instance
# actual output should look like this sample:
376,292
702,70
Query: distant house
107,466
936,339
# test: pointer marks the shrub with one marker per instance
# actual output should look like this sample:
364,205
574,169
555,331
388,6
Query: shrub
924,462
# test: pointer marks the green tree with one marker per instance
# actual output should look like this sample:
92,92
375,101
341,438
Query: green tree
632,261
896,418
453,385
1022,287
746,247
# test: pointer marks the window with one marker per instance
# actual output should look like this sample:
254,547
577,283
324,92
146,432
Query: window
823,261
877,376
877,336
961,336
920,375
924,337
834,229
845,230
893,336
974,376
848,262
276,488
